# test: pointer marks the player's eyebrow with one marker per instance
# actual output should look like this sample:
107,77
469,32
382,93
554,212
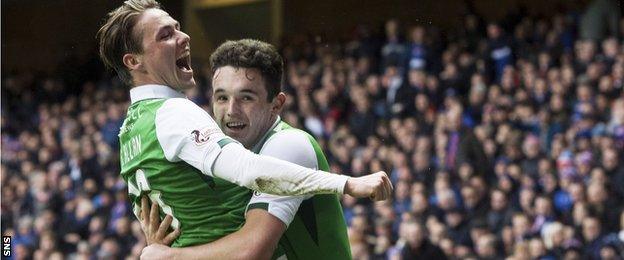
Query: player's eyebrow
175,25
163,28
245,91
249,91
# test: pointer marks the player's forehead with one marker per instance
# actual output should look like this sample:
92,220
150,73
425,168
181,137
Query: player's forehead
153,19
234,80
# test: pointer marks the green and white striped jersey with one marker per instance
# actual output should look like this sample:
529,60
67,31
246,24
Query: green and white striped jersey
316,225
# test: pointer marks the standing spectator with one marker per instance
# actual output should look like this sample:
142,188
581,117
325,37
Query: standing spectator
414,243
418,50
600,20
500,212
499,50
393,52
463,146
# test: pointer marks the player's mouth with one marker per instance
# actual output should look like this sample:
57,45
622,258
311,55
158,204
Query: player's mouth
235,126
184,63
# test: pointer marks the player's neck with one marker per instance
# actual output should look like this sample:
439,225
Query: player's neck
262,138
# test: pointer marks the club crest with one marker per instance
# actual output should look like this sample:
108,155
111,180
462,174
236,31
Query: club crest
201,137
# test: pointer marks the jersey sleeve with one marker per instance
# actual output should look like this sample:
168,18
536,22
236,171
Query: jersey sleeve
188,133
292,146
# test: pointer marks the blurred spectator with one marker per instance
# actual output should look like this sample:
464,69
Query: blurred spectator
593,237
418,50
415,245
499,50
393,52
487,248
600,20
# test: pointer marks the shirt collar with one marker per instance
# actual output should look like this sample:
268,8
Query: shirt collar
259,144
152,91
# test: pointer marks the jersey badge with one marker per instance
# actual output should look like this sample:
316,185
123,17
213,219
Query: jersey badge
201,137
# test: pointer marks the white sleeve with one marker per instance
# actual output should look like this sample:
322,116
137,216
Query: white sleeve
187,133
267,174
292,146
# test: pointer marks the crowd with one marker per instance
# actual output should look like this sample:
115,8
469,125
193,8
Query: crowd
502,141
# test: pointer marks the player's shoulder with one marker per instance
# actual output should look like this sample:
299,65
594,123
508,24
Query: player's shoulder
180,103
180,108
291,137
292,145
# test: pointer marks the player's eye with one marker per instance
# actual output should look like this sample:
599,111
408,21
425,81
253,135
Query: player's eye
247,98
166,33
165,36
221,98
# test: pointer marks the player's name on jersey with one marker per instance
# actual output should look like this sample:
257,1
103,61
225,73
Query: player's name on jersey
130,149
132,116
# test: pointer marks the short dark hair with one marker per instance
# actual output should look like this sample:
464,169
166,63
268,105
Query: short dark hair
116,36
252,54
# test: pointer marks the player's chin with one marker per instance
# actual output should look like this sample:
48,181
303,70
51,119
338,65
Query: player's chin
187,84
236,133
185,79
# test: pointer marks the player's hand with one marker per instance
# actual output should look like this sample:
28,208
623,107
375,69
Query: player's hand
155,252
155,231
376,186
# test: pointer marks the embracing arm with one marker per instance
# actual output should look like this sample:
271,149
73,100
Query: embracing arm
257,239
274,176
187,133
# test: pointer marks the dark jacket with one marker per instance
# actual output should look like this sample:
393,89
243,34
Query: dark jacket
427,250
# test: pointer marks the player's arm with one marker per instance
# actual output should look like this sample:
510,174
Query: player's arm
257,239
188,133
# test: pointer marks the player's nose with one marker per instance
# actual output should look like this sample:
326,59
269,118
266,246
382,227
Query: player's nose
232,107
184,39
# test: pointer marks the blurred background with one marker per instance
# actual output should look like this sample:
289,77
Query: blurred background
501,123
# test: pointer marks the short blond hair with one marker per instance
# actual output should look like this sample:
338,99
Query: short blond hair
116,37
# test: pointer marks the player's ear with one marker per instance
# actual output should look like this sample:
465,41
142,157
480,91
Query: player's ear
132,61
278,102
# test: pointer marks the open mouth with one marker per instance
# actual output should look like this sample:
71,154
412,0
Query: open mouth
184,63
235,125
